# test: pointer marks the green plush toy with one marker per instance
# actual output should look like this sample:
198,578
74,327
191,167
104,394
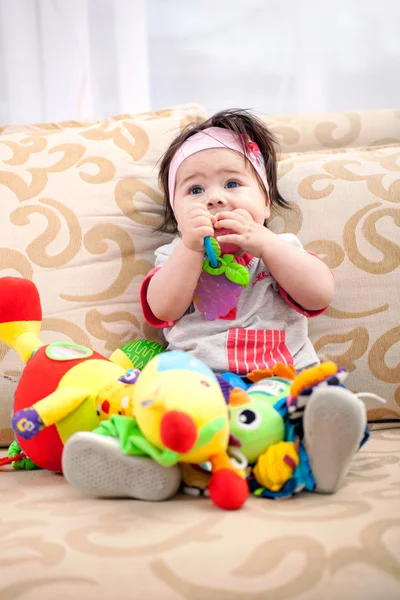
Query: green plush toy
20,464
255,424
136,354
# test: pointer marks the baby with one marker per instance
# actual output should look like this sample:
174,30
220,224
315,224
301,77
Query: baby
220,180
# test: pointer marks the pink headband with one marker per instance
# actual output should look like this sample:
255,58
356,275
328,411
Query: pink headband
215,137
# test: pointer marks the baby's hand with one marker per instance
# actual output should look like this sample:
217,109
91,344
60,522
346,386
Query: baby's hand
246,233
196,224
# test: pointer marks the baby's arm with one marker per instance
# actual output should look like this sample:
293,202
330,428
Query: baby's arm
172,287
304,277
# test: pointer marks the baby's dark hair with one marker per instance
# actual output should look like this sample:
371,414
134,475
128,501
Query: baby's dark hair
245,125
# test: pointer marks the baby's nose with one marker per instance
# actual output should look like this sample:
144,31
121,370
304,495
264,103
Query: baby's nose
215,203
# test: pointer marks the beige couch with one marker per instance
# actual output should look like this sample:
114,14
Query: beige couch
78,204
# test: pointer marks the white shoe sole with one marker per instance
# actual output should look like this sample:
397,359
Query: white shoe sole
95,465
334,424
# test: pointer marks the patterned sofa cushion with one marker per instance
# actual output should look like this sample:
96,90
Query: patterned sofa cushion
79,202
332,131
78,206
346,210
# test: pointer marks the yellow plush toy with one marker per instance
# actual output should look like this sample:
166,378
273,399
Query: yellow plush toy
180,415
174,410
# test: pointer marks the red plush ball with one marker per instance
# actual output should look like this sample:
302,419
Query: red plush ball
39,379
19,300
228,490
178,432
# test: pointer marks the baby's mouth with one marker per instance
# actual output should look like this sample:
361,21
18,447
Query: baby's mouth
226,247
219,232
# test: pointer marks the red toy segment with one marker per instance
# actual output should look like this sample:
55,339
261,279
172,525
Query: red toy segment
19,300
45,449
40,378
228,490
178,432
8,460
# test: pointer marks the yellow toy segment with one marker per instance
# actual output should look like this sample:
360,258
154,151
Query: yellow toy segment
56,406
136,354
91,375
120,358
115,399
199,397
312,376
85,414
22,336
272,471
82,384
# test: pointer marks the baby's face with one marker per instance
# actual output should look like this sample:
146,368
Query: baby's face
221,180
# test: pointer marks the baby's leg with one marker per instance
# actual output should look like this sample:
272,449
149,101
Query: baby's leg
334,427
95,465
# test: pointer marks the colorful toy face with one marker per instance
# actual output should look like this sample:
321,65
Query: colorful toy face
255,424
115,399
173,383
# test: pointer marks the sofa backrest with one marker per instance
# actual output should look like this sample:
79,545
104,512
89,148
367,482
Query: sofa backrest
79,203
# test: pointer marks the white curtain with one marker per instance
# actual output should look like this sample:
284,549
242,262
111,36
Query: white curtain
82,59
276,56
72,59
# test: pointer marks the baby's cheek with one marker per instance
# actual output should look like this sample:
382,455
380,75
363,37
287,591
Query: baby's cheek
258,216
243,207
250,213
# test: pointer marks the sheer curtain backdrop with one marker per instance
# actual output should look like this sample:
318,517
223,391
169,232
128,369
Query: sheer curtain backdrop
72,59
276,56
82,59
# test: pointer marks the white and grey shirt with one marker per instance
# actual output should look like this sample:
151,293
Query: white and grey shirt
266,327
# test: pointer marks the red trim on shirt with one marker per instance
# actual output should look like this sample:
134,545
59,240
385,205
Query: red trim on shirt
307,313
146,310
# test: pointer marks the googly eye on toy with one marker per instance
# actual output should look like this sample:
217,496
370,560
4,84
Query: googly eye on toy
130,376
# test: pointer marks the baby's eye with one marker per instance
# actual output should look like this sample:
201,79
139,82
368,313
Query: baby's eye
196,189
232,184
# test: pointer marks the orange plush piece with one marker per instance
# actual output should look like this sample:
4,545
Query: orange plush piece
311,377
278,370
